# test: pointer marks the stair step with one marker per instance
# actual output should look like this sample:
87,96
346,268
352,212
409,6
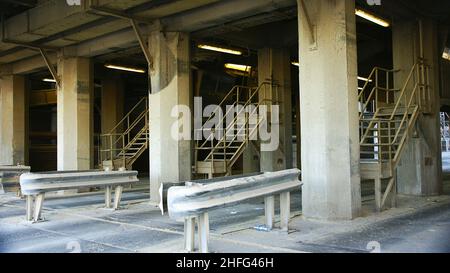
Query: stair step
376,145
381,136
384,129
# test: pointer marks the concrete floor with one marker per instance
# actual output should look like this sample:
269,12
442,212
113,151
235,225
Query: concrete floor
418,224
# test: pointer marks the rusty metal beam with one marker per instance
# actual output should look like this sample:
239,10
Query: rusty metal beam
142,43
50,67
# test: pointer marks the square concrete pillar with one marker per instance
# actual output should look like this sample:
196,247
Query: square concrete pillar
75,114
420,169
275,65
13,120
170,157
329,110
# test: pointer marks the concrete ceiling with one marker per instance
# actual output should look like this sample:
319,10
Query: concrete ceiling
91,33
55,24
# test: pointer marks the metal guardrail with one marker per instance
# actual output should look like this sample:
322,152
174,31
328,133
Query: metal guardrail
35,185
195,200
11,174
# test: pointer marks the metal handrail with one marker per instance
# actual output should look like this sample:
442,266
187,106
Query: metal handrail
236,90
224,143
406,105
112,139
127,116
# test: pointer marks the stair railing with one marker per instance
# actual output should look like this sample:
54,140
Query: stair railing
224,143
237,90
414,96
115,144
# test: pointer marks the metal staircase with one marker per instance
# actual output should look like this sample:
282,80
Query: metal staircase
123,145
223,145
387,121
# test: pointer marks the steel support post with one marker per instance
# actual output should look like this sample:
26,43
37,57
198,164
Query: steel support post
269,210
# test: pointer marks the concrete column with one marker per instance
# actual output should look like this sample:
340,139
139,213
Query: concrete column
75,114
329,111
275,65
250,159
111,103
13,120
420,169
170,158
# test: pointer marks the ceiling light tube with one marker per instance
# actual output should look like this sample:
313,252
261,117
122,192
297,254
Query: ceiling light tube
296,63
49,80
364,79
124,68
220,49
372,18
446,54
240,67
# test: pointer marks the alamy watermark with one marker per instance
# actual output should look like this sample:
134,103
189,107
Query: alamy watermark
374,247
74,247
374,2
228,123
73,2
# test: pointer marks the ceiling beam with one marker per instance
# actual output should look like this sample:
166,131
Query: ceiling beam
25,3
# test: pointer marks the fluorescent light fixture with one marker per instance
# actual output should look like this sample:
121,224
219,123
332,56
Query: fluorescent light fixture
372,18
364,79
124,68
446,54
360,88
49,80
240,67
296,63
220,49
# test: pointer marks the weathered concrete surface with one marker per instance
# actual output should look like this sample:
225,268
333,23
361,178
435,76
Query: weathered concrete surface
419,170
419,225
13,120
329,113
170,158
275,65
75,114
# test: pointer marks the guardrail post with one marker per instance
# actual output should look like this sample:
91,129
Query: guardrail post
189,233
269,210
285,210
117,197
30,207
38,206
203,232
108,197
